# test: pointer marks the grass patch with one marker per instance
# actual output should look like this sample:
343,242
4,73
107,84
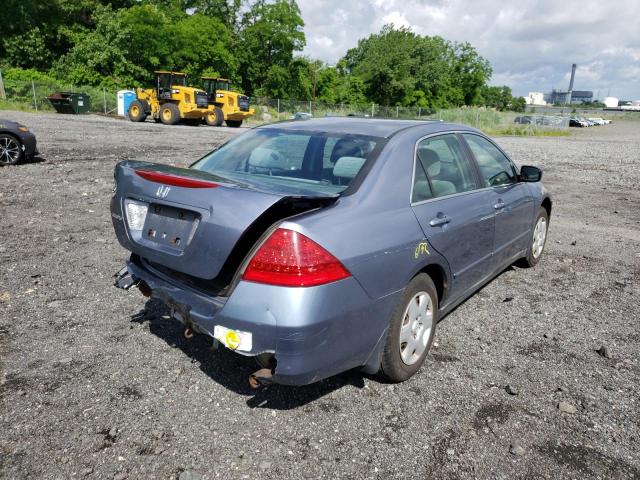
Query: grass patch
515,131
17,106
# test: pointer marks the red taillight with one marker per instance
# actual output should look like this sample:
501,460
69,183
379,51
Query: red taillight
175,180
290,259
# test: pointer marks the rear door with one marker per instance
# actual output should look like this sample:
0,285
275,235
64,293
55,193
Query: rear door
455,214
511,200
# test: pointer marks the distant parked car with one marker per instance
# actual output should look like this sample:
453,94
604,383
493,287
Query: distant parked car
523,120
577,122
17,143
336,243
301,116
600,121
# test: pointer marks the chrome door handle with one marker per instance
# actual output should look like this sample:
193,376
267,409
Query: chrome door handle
500,205
439,220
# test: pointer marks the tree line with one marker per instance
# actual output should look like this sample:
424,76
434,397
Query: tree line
255,43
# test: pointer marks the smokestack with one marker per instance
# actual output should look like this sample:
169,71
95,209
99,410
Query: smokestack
573,76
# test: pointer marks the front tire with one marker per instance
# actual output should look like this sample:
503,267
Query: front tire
169,114
215,117
411,330
11,152
234,123
538,239
137,112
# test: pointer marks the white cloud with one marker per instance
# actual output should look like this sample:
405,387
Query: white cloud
531,44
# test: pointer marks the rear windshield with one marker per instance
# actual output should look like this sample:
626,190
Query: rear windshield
320,162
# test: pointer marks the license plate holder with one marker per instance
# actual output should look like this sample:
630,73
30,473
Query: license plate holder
169,225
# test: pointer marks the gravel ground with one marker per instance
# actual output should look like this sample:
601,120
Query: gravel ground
96,383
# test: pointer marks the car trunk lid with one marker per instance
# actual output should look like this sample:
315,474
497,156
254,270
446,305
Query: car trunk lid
194,222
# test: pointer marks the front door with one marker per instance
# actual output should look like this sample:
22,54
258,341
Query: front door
455,215
511,200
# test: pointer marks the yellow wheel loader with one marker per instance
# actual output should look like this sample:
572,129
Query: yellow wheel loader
224,104
170,101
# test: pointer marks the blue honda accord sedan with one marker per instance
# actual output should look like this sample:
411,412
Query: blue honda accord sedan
330,244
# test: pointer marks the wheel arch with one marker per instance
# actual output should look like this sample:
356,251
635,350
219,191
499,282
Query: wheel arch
440,279
12,135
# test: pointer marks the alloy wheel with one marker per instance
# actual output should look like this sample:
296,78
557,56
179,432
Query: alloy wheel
416,328
539,237
9,150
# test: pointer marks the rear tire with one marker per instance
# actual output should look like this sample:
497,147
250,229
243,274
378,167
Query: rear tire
11,152
137,112
214,118
234,123
411,330
169,114
537,241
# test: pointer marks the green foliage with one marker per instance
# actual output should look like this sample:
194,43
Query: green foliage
199,42
226,11
101,56
270,33
501,99
399,67
27,50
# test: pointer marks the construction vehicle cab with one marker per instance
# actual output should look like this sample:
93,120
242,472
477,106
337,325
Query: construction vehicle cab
169,101
225,105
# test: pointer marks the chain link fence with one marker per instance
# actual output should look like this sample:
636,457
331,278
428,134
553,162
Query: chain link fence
33,95
271,110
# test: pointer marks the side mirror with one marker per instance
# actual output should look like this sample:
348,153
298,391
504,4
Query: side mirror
530,174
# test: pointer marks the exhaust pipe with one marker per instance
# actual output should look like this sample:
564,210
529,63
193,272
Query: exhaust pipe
260,378
188,333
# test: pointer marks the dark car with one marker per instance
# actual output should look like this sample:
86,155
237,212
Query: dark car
17,143
329,244
576,122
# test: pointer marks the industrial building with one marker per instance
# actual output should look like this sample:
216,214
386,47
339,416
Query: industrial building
581,96
561,97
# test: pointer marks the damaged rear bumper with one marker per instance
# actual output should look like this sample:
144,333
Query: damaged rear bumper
314,332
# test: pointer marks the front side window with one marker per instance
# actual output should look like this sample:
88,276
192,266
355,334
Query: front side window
441,169
495,168
322,162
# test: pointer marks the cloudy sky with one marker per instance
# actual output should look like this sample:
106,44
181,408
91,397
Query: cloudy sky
531,44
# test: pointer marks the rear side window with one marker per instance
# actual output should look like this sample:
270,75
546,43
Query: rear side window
495,168
441,169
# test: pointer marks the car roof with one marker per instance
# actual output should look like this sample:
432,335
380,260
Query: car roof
375,127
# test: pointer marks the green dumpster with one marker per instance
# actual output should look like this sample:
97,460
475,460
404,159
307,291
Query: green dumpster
69,102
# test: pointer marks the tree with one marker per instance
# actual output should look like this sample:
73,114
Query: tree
199,42
399,67
271,33
102,55
501,99
227,11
